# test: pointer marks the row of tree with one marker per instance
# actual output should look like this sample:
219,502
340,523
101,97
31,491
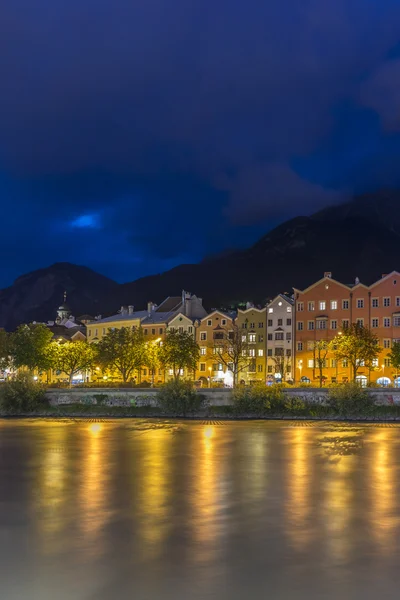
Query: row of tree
122,351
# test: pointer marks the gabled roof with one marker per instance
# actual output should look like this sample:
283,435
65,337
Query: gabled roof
326,279
385,278
287,299
230,315
172,303
245,310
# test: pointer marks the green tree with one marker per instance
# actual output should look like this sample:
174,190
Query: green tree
232,349
320,353
152,356
357,345
30,347
72,357
122,350
180,351
5,350
394,356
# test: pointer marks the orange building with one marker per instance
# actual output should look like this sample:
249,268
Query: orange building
327,306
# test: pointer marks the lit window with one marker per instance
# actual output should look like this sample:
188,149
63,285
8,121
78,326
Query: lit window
310,363
322,305
333,304
252,352
243,338
345,363
375,362
252,337
360,303
289,309
386,322
386,302
270,310
311,306
260,352
203,351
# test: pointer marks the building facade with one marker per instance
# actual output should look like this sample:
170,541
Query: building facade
326,307
279,344
252,322
212,330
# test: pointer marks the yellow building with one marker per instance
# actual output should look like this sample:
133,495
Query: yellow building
253,323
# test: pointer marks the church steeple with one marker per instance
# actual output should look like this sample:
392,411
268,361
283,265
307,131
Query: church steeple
64,310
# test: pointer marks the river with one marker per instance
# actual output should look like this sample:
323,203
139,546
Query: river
150,510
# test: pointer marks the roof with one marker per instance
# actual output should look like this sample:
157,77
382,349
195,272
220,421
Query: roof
157,318
172,303
139,314
66,333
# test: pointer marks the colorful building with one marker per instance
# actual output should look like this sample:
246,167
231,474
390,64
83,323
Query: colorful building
252,322
279,345
212,331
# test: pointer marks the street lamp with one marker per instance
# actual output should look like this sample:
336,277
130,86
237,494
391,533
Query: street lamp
209,376
300,367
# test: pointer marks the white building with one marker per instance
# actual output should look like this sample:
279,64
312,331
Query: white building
280,325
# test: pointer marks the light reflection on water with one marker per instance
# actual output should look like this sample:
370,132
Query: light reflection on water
185,510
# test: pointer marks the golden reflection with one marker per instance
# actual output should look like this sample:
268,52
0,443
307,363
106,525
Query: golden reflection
155,490
382,485
299,487
95,428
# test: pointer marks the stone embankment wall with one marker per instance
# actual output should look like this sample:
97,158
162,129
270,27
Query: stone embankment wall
214,397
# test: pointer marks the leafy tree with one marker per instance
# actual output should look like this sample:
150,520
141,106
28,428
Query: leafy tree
320,352
152,357
73,357
394,356
180,351
282,364
358,345
122,350
233,350
5,350
30,347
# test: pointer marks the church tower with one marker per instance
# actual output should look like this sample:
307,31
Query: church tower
64,310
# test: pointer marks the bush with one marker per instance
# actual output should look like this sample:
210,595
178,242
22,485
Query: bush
259,399
180,398
296,406
349,399
22,394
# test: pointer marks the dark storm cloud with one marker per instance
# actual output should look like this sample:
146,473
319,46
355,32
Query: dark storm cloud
176,122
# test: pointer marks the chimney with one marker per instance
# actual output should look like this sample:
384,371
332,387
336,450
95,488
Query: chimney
328,274
124,310
97,318
130,309
357,280
150,308
188,306
249,305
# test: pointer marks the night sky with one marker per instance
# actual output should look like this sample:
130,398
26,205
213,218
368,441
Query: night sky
137,135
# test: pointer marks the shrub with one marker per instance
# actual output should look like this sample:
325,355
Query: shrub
180,398
258,399
22,394
350,399
296,406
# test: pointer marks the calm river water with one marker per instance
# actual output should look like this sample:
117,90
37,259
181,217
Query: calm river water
151,510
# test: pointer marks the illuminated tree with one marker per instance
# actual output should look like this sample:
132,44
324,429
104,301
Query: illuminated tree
394,357
122,350
357,345
283,364
5,350
320,350
72,358
30,347
232,349
152,357
180,351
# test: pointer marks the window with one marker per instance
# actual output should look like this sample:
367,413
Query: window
203,351
190,329
279,335
288,322
96,332
321,324
322,305
300,306
280,322
386,322
145,372
218,335
90,333
260,368
270,336
209,322
310,325
223,321
288,335
269,353
386,362
345,363
345,304
244,338
299,346
252,325
270,310
386,343
300,326
270,322
333,304
289,309
244,325
260,337
269,369
360,303
260,325
386,302
333,363
345,323
288,352
230,335
397,300
396,321
311,306
161,331
252,352
202,366
252,337
375,322
203,336
145,331
375,302
310,363
333,324
375,362
260,352
153,331
104,331
360,322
